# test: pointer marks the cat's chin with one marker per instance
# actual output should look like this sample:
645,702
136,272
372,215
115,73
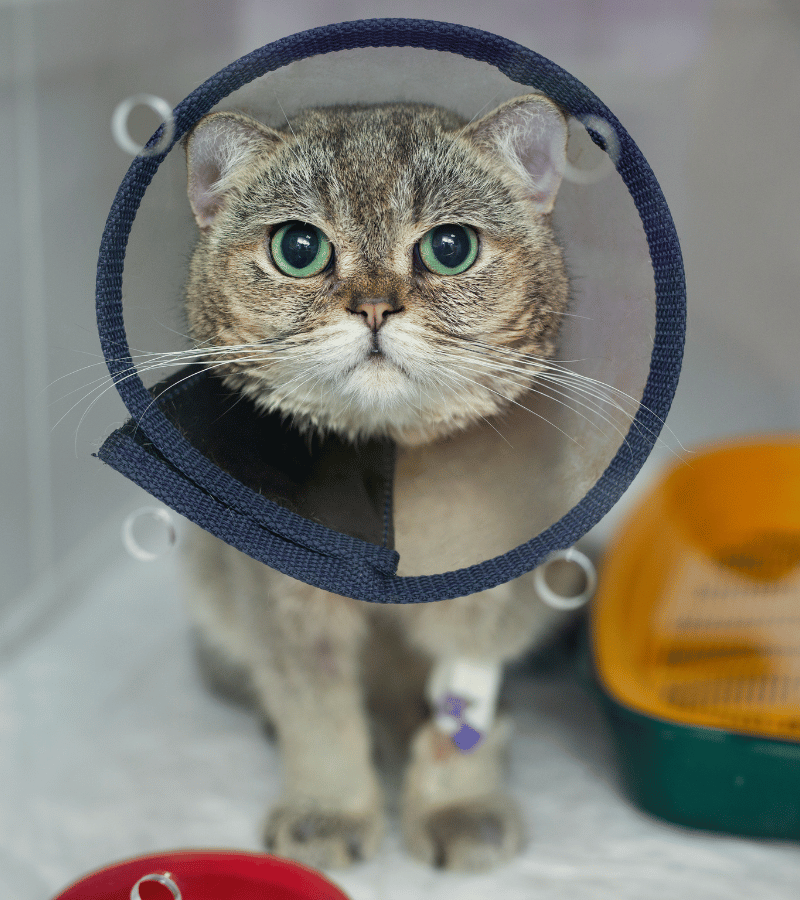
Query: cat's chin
375,397
408,427
376,401
377,381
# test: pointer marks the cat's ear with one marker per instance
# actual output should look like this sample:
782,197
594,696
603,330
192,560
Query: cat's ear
217,150
529,134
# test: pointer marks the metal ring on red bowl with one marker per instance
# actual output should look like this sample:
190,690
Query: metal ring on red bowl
206,875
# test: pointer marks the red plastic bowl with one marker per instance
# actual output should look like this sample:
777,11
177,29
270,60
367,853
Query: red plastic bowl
206,875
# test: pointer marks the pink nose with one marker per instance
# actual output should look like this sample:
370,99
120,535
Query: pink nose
374,312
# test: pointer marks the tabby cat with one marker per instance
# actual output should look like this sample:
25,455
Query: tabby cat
376,271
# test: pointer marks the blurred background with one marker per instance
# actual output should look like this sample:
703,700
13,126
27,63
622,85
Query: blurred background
709,89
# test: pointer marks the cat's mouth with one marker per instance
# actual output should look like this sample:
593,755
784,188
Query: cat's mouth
376,352
377,359
374,361
378,356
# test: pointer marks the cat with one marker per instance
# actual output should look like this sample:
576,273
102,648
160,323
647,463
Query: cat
376,271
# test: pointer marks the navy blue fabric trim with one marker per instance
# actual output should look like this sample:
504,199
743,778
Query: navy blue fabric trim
521,65
354,568
214,420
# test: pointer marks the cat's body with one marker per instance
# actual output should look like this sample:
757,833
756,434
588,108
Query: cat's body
376,336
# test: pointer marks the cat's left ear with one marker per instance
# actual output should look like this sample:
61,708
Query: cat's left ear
528,134
218,149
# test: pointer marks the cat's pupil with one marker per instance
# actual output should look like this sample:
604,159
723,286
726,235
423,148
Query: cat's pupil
300,245
450,245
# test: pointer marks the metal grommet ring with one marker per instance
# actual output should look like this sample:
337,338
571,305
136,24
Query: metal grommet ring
166,525
608,162
119,124
583,573
163,878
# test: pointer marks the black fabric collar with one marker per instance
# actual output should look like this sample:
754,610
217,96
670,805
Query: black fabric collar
343,486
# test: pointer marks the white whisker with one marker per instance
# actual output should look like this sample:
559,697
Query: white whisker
149,361
533,379
516,403
588,386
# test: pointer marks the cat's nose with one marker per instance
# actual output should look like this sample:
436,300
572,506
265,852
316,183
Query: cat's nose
375,312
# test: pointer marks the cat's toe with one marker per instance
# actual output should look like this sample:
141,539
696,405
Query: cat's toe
471,836
323,839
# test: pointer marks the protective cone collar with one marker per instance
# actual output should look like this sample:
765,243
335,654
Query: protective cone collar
286,510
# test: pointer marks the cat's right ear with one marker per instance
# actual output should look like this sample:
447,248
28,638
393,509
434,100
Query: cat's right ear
218,148
528,134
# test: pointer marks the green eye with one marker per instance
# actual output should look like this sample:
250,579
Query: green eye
449,249
300,250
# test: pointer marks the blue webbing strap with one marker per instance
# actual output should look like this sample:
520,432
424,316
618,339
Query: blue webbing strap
191,484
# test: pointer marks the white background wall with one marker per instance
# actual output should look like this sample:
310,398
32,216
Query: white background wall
709,90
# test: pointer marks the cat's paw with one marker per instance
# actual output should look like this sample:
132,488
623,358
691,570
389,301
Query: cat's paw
323,839
469,836
455,811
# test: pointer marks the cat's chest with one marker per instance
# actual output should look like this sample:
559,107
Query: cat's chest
473,496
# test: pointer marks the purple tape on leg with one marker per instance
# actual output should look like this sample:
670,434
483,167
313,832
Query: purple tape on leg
466,738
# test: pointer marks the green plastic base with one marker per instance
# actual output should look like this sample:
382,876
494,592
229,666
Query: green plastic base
708,778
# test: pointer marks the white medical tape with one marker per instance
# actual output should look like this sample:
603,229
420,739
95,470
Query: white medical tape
463,693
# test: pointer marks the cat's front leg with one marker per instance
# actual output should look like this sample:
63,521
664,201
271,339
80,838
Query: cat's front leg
455,811
330,813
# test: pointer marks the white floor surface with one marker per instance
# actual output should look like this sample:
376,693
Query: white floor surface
110,747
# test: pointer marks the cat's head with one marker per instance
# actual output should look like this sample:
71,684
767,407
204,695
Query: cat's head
384,270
